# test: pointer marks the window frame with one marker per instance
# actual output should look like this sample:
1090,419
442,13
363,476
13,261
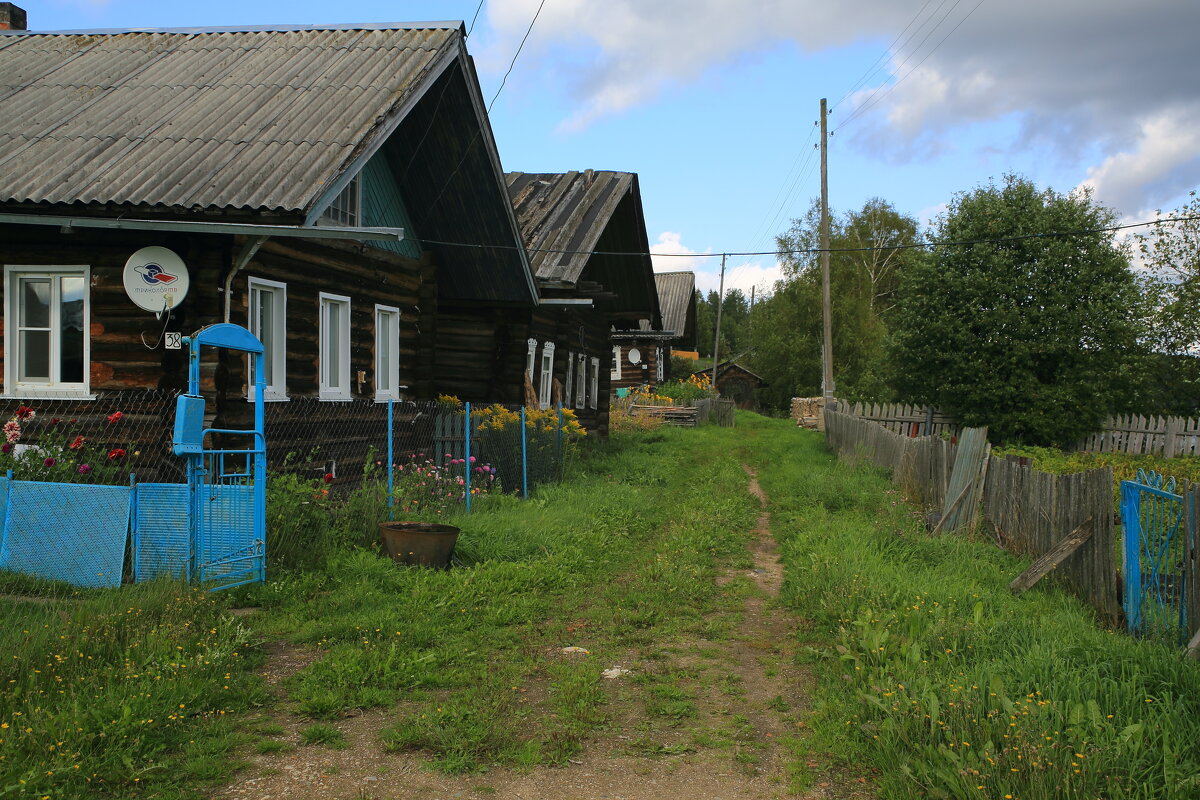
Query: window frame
13,386
658,364
614,371
392,393
277,390
531,359
343,214
594,396
546,376
581,382
570,378
326,390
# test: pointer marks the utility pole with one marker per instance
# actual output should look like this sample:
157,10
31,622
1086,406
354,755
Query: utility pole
827,387
717,337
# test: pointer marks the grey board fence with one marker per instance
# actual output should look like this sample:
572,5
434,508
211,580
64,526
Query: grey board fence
1027,510
1130,433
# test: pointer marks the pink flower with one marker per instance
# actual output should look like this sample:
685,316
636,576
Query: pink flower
472,459
49,462
12,431
84,469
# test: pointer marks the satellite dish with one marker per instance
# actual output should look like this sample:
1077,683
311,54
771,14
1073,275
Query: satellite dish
156,279
635,356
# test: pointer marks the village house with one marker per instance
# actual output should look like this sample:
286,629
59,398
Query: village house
642,356
328,187
586,237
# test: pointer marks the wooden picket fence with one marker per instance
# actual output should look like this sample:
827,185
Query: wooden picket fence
1028,511
1132,433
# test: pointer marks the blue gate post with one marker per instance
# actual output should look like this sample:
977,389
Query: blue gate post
260,462
1131,516
4,532
467,457
391,467
524,459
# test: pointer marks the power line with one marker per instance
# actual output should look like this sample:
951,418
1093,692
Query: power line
478,8
871,70
871,100
812,250
520,47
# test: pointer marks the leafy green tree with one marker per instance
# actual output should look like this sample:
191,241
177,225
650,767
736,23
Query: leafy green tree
874,249
1016,326
1171,254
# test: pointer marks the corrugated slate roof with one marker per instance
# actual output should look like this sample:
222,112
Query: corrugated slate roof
676,292
566,211
259,119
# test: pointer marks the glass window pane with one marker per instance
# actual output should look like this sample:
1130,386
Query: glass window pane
70,357
35,302
266,332
35,356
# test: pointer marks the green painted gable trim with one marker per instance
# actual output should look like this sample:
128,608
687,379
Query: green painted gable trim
384,207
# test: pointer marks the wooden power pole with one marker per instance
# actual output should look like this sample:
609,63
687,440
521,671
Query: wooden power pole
717,337
827,386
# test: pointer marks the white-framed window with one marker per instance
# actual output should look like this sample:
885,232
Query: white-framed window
47,331
546,378
658,364
387,353
333,358
581,381
570,382
267,318
594,397
614,371
346,208
531,359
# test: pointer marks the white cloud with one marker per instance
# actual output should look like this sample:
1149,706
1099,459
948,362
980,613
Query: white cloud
1076,77
741,276
669,254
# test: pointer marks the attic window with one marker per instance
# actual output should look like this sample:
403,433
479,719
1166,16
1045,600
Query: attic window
346,208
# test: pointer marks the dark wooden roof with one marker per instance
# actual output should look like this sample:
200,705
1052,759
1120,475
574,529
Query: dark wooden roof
588,227
730,366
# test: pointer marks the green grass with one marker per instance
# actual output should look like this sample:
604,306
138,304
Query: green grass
322,734
112,692
933,675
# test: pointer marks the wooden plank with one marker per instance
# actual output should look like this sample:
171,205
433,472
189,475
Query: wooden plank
1041,567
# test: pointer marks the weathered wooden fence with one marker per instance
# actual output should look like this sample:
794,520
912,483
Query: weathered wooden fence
1161,436
1029,511
1133,434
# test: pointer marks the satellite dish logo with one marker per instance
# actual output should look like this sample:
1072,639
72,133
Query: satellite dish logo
154,275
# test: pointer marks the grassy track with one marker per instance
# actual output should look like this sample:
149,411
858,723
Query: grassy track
940,680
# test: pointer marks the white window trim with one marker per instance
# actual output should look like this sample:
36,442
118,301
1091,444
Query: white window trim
326,392
354,217
614,372
581,381
595,393
531,358
658,364
276,392
570,381
394,392
13,387
546,376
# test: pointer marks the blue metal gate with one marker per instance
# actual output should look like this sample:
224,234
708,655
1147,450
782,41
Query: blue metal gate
226,469
1157,544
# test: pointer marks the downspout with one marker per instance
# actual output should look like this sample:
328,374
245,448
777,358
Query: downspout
249,248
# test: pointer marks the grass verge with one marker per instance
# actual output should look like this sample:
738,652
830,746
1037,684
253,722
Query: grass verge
939,680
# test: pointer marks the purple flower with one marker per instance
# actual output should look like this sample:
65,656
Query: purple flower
49,462
84,469
7,448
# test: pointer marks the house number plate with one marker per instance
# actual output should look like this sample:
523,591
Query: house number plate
173,341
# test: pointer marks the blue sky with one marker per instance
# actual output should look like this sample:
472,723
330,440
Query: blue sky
712,102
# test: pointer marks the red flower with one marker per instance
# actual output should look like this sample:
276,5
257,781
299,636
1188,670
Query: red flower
114,418
116,453
24,412
49,462
78,443
328,477
55,420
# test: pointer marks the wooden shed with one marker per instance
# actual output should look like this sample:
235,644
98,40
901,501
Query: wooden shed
736,383
320,184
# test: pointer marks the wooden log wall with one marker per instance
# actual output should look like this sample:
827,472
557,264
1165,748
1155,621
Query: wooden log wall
645,372
119,329
1029,510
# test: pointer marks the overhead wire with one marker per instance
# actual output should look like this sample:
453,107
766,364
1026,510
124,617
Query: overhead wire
520,47
810,250
877,64
872,99
478,8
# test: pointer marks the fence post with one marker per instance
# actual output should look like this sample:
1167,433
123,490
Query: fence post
467,456
391,466
4,532
1171,439
524,461
133,525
